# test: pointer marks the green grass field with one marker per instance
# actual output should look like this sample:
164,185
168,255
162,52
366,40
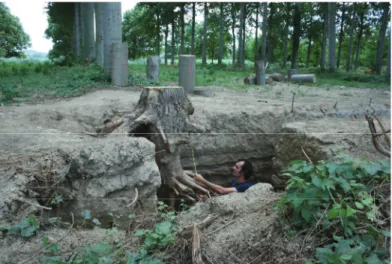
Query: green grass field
24,78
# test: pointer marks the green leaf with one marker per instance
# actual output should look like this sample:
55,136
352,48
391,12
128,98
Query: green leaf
373,259
342,212
86,214
344,184
350,211
346,257
164,227
367,201
142,232
45,241
316,180
371,215
306,214
359,205
101,248
296,162
28,232
371,168
332,166
150,242
333,213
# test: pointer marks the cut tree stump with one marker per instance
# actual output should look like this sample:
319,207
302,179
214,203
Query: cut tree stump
305,78
153,67
162,116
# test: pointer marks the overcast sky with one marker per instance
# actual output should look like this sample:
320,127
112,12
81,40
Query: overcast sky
33,18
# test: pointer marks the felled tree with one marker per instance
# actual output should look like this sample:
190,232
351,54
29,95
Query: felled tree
162,116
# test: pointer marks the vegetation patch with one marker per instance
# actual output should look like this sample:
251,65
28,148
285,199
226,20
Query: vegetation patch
344,200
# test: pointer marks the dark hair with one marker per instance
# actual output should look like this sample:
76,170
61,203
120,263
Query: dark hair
247,168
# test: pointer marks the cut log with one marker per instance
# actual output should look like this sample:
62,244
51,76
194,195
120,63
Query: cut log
251,79
277,77
153,67
162,116
290,73
304,78
187,72
260,73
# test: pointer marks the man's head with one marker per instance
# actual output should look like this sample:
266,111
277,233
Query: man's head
242,167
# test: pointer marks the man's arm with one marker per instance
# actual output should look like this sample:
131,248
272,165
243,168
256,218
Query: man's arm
219,189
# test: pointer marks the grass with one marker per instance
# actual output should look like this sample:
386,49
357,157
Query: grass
25,78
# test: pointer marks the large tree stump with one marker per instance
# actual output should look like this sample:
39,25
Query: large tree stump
162,116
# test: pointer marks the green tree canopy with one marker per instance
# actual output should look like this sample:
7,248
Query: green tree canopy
60,30
13,39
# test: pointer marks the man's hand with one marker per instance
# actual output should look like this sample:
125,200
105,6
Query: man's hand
198,177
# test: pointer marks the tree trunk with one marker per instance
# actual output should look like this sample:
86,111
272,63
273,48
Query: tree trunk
381,38
309,50
220,49
193,28
81,23
162,116
286,35
324,41
204,49
260,73
89,47
243,38
264,36
182,28
107,37
309,38
76,30
240,42
270,52
359,39
166,46
388,69
296,35
331,36
256,31
233,31
350,44
172,42
112,32
341,34
119,64
99,33
158,32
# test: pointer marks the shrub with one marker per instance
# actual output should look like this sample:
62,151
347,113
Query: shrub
339,198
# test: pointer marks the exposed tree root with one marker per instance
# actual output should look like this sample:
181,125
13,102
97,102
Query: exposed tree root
162,116
380,148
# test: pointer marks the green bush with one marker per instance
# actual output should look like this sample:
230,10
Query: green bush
339,198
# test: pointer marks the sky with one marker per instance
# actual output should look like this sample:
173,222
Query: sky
33,18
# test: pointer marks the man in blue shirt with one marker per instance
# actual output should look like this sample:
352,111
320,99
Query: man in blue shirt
242,170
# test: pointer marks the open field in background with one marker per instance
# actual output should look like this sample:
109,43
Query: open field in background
40,78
